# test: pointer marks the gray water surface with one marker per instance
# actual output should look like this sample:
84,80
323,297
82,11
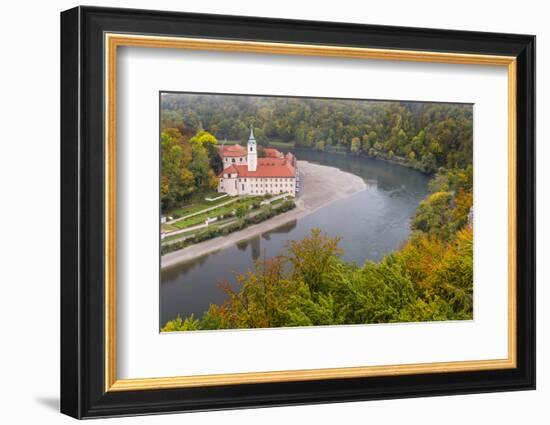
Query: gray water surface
371,224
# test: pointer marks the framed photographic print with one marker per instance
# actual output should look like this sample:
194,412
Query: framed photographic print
261,212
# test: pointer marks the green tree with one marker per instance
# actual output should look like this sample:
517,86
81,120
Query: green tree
355,145
199,166
207,141
320,145
312,259
439,134
433,214
180,325
177,181
241,211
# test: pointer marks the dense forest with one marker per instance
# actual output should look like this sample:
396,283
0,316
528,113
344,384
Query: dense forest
422,135
189,166
430,277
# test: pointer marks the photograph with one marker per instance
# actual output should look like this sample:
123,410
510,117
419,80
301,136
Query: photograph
279,212
264,211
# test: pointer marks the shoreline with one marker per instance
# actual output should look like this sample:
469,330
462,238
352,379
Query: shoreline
292,147
374,158
321,185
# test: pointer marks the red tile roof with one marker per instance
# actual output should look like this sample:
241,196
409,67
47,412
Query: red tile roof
230,170
272,161
267,167
272,153
232,150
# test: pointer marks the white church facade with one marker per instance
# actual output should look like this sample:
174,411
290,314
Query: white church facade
246,174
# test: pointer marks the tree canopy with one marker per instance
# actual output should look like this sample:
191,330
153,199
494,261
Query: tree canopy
424,135
429,278
188,166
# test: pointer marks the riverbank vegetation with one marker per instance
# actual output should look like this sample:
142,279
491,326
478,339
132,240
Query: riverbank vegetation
247,214
189,166
218,212
199,204
422,135
429,278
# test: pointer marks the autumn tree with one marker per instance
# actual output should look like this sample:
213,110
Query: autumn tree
429,278
261,300
189,166
312,259
355,145
177,180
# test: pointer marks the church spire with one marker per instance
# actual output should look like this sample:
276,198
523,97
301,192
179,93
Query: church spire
251,138
252,155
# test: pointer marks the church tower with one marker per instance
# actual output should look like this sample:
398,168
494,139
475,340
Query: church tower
252,157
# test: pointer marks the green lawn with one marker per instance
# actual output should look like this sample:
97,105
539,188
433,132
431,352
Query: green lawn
226,209
197,206
216,224
168,228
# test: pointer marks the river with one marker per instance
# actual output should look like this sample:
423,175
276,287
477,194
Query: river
371,224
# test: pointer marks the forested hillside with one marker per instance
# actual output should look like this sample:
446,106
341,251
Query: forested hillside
429,278
189,166
423,135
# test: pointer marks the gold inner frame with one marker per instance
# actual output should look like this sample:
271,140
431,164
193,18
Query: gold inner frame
113,41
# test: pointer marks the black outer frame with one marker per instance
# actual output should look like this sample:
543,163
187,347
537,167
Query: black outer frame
82,206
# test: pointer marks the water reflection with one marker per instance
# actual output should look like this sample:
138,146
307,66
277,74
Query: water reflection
371,224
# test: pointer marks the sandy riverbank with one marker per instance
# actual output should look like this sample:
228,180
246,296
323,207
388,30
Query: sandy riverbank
319,186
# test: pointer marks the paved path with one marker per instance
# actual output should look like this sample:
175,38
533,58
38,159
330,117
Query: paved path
319,186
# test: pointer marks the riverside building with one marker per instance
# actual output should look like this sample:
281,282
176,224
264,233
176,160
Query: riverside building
246,174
